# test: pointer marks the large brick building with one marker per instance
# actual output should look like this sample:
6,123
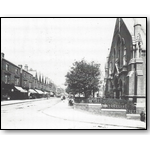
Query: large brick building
11,84
20,83
125,71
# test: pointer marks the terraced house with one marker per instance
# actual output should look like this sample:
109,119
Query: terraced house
20,83
125,71
11,85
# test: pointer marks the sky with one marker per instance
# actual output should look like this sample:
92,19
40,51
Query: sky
51,45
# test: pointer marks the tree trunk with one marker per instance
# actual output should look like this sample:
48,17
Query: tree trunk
93,93
85,93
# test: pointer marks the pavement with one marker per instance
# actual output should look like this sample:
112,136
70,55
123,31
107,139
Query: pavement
69,113
63,111
9,102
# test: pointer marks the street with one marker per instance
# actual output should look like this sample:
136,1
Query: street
32,115
55,114
98,62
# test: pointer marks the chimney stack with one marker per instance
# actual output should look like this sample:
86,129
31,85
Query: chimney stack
2,55
26,67
20,66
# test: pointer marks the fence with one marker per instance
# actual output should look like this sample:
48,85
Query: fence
131,108
114,106
110,103
119,104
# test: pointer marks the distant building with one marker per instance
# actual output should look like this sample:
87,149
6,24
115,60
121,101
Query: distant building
101,91
37,84
125,70
40,83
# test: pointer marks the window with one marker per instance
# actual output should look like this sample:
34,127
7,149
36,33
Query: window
118,51
25,82
7,67
30,85
16,81
16,71
114,53
7,79
124,57
143,53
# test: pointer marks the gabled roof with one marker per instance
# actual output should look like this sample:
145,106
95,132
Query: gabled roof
37,76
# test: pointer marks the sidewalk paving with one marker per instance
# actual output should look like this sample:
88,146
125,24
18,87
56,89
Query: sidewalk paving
9,102
62,110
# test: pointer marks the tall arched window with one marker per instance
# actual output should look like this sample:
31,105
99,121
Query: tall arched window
125,56
119,51
124,52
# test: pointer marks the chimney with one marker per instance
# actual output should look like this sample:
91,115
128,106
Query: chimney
26,67
2,55
20,66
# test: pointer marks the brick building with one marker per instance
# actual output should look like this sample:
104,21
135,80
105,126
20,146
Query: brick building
11,85
41,84
19,83
37,84
125,70
26,78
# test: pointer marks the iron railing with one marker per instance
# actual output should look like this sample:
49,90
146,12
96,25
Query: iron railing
111,103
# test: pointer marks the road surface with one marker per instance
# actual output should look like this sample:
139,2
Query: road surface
50,114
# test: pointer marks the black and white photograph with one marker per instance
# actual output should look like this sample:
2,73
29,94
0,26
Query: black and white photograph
74,73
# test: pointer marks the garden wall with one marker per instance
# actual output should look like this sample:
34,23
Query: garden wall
97,109
94,108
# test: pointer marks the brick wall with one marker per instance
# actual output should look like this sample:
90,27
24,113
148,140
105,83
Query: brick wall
94,108
11,71
97,109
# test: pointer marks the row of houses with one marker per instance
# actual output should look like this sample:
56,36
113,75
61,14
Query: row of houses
125,70
18,82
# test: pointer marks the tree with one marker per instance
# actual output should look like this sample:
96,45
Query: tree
83,78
